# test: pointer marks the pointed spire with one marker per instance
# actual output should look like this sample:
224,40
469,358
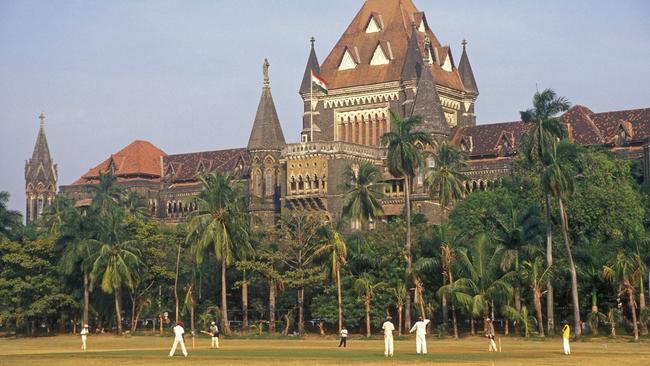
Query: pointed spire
413,64
466,74
267,132
312,65
41,152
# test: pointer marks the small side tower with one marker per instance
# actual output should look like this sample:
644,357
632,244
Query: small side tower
265,147
40,177
468,115
311,120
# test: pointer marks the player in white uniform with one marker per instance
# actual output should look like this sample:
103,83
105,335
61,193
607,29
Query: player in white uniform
420,329
84,337
388,328
214,334
179,334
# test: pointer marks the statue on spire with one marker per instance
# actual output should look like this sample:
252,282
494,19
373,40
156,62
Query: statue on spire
265,71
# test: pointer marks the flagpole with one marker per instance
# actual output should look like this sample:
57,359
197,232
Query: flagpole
311,107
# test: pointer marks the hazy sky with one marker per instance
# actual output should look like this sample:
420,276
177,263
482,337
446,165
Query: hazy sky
186,75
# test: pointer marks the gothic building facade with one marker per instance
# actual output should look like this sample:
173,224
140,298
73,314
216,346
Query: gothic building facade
388,63
40,177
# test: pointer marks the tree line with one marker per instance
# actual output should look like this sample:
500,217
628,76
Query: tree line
564,235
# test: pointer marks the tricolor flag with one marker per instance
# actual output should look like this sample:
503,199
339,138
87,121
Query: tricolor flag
318,83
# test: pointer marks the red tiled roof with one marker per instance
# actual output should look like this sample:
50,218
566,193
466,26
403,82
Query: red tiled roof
138,159
397,15
187,167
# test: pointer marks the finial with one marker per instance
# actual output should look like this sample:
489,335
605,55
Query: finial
265,71
312,40
464,43
42,118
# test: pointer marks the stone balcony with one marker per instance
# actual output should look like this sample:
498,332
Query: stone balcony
334,148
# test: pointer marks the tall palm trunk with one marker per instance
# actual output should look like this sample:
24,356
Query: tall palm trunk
176,299
272,289
301,310
400,310
244,305
575,300
224,298
409,258
366,304
339,297
644,325
86,299
632,299
550,317
453,308
118,310
537,302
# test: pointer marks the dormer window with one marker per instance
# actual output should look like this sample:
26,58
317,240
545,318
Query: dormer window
622,137
379,57
348,62
374,24
447,66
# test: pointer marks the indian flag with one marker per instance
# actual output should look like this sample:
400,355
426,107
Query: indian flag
318,83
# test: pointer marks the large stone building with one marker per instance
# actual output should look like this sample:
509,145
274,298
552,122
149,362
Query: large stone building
388,60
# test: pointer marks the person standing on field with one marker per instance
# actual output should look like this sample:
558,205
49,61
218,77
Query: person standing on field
179,338
566,334
489,333
344,338
84,337
420,329
214,334
388,328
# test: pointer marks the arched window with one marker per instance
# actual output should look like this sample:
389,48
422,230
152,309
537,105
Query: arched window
257,183
270,183
474,186
482,185
293,184
169,207
308,183
301,184
316,182
175,207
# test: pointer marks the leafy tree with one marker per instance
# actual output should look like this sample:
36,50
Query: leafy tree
107,194
625,272
404,159
537,277
537,146
10,220
53,217
219,226
446,181
363,192
366,287
337,249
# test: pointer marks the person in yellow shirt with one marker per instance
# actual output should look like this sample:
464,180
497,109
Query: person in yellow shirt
566,333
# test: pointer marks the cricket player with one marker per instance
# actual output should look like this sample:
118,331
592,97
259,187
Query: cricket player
179,335
489,333
214,333
566,333
388,328
420,329
84,337
344,338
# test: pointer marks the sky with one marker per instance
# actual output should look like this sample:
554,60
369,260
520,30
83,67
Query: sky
187,75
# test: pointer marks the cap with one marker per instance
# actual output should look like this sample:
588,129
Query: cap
179,323
389,317
212,323
85,325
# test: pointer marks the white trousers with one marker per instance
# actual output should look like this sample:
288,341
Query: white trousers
83,342
388,345
215,342
493,346
421,344
177,342
567,348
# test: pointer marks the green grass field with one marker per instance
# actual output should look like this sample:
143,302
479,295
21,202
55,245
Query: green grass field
118,351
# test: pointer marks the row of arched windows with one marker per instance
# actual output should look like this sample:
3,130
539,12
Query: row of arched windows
264,186
179,208
479,185
308,184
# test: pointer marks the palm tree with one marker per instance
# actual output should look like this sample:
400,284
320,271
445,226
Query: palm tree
481,282
52,219
337,249
625,272
135,204
399,293
537,278
106,193
366,287
446,181
558,181
115,261
404,159
447,242
10,220
77,245
539,140
363,192
219,226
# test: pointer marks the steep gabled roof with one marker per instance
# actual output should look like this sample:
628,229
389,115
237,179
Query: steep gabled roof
267,132
139,159
466,73
397,16
188,167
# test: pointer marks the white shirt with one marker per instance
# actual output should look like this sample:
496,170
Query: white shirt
84,331
420,327
344,333
178,333
388,328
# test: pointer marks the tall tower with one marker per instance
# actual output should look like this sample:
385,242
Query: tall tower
40,177
265,146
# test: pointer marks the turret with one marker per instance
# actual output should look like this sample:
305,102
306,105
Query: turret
468,115
40,177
